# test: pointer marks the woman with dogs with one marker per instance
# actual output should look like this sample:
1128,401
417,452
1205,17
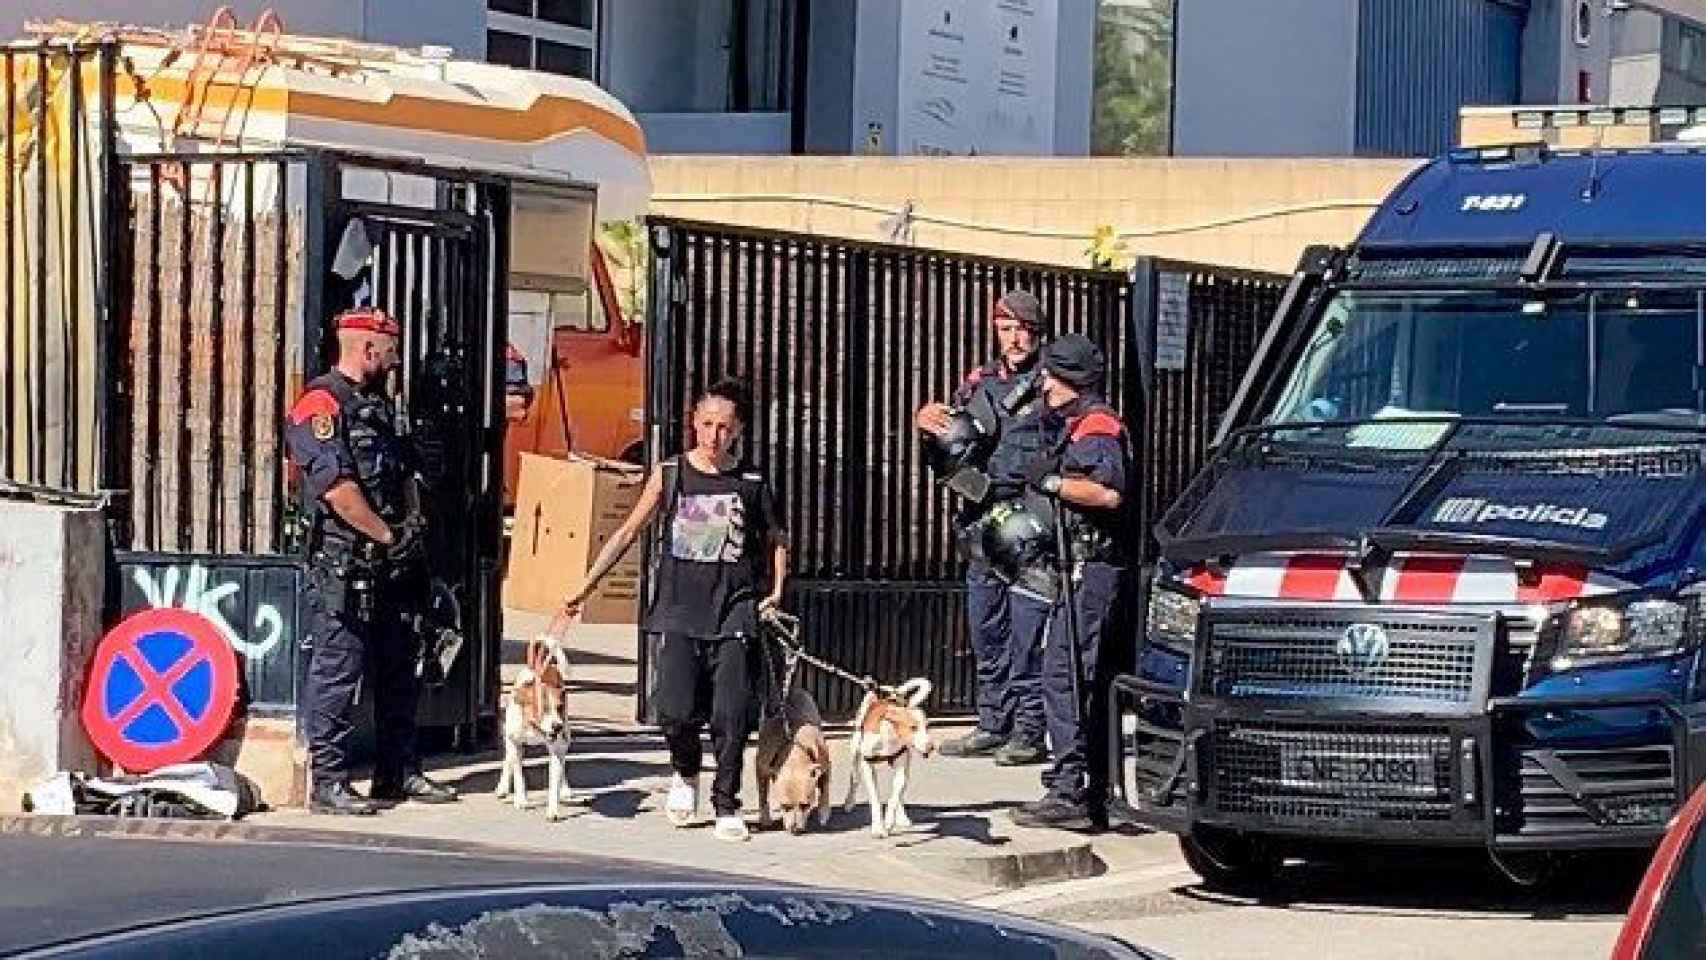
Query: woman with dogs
722,560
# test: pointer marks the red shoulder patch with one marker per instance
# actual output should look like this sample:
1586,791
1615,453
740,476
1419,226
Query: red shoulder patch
1097,423
974,376
315,401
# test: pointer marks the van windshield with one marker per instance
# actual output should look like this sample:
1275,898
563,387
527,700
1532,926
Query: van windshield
1599,355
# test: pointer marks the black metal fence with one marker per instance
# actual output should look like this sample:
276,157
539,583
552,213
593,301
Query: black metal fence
212,354
1197,330
842,341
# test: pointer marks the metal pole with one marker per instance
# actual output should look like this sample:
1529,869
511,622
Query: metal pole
1063,547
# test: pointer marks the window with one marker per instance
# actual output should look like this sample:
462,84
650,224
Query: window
569,13
553,57
509,49
555,36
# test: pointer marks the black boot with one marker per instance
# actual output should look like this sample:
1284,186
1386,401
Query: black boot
338,798
414,787
1020,753
1057,813
975,744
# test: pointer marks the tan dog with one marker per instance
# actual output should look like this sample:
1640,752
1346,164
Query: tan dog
797,767
889,729
534,712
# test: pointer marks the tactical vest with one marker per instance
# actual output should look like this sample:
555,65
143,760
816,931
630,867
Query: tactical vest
1010,408
380,456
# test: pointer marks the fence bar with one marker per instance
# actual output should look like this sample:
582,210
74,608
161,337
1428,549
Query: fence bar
72,344
246,416
216,361
8,221
38,471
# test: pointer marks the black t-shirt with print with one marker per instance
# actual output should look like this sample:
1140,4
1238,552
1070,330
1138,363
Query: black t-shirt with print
713,563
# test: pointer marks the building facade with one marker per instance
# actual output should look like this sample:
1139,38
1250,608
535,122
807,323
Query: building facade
1387,77
744,76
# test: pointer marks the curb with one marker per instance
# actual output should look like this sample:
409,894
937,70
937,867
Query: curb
1074,861
97,827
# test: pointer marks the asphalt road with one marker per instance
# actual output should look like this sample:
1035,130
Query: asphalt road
56,888
1376,909
59,888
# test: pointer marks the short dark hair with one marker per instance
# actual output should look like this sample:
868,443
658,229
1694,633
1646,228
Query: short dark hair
735,391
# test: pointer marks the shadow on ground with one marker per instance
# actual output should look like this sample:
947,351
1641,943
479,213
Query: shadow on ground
1594,886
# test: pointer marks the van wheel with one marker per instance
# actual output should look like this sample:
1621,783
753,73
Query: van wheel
634,453
1230,862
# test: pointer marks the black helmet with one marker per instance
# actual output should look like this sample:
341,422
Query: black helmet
966,443
1017,540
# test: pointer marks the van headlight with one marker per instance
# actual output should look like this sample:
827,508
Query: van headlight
1173,618
1635,628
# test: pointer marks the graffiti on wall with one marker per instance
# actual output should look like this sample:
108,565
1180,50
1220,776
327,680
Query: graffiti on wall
201,595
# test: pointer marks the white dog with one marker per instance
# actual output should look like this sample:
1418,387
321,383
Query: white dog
888,729
533,713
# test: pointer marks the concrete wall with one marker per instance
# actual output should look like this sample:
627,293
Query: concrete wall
1042,196
875,92
1552,58
1276,78
52,582
830,63
1075,67
718,132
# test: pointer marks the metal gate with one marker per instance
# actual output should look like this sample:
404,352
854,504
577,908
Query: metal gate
159,313
842,341
231,268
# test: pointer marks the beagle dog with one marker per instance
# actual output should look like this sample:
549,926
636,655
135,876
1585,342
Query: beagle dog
888,729
534,713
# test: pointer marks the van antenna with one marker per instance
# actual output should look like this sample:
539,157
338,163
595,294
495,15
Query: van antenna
1591,191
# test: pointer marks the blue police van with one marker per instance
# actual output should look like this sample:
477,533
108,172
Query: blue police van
1441,581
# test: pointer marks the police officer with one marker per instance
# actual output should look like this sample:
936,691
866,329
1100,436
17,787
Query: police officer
1004,398
362,541
1084,470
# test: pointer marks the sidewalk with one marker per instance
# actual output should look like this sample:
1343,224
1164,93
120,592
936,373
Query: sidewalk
963,846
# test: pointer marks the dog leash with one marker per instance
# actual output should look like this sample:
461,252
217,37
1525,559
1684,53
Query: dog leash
785,631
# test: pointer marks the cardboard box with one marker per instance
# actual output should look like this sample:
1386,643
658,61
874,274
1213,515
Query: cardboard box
565,512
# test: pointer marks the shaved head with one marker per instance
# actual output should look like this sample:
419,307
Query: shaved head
363,354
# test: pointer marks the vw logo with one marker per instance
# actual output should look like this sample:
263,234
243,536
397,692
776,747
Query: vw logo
1363,648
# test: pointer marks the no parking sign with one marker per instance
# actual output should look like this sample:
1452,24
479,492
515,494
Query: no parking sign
161,689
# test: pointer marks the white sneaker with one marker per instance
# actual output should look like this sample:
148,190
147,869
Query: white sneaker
732,829
683,802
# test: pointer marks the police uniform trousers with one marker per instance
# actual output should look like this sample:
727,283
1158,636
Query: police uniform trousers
1071,730
1007,653
344,650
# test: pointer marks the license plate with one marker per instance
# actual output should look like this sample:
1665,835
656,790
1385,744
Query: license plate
1325,771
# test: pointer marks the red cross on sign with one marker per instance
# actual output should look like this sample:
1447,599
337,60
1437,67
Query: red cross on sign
161,689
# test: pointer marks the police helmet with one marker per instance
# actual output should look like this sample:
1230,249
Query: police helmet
965,443
1017,537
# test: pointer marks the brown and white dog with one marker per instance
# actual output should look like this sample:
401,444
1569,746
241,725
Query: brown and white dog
797,768
888,729
534,712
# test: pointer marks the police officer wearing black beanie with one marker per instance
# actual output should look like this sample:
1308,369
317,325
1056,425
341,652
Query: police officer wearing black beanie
1085,470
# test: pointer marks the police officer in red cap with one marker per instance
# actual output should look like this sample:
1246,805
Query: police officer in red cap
1084,470
1004,400
354,472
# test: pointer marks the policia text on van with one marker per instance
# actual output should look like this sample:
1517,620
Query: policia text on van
1441,582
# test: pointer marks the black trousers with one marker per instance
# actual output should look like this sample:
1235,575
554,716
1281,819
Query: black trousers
344,650
709,681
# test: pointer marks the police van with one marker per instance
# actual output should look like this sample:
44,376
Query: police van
1441,581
